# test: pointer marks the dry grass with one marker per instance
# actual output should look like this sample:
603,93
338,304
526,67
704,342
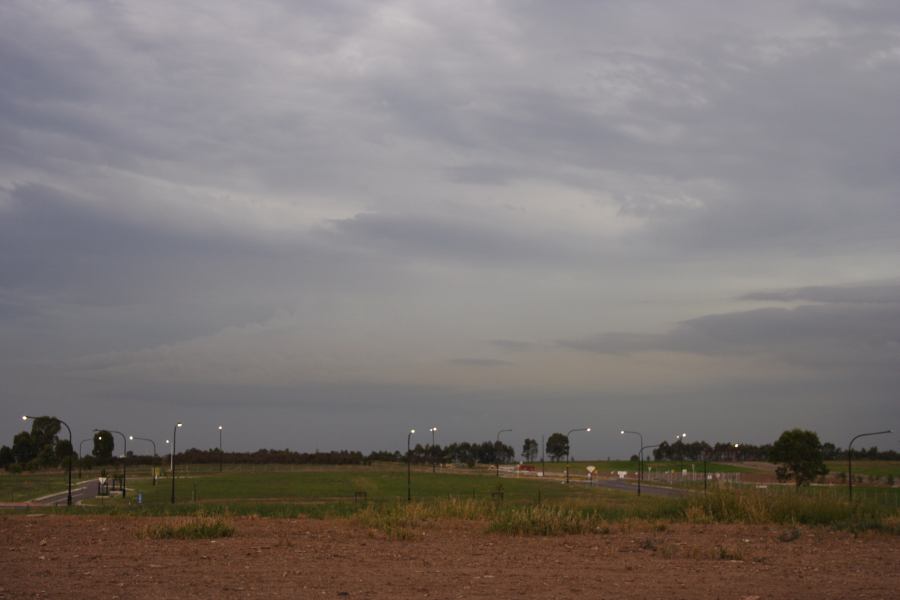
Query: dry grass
190,528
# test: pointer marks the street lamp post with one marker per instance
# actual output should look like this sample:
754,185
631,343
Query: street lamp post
124,457
169,442
647,447
81,454
131,437
680,438
69,495
220,449
497,450
569,448
174,438
433,430
409,466
850,456
640,456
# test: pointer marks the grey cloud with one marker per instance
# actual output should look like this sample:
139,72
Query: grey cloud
77,278
480,362
876,293
513,345
483,174
858,337
447,238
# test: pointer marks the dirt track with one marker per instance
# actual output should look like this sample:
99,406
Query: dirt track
103,557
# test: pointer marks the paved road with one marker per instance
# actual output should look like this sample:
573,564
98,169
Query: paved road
650,490
83,490
615,484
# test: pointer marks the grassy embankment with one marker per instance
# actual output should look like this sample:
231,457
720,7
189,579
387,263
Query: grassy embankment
20,487
874,468
529,506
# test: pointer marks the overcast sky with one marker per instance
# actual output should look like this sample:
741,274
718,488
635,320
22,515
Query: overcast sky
321,223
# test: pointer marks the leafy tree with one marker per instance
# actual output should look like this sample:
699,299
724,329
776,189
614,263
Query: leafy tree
798,454
64,452
557,446
529,450
23,448
103,446
503,453
45,432
6,457
485,453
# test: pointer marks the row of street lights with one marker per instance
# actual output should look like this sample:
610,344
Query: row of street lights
125,453
433,430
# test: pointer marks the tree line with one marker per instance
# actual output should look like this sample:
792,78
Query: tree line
43,448
728,452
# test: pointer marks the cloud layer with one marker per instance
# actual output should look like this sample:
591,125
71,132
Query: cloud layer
676,209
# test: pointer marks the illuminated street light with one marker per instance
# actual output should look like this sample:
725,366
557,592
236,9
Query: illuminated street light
433,431
220,448
72,449
569,447
174,438
680,438
124,456
131,437
409,466
81,453
640,457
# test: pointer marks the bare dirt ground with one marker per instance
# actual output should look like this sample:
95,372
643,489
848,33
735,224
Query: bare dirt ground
104,557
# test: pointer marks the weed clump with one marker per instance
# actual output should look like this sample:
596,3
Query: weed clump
194,528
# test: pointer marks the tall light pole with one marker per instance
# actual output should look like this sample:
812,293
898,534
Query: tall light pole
131,437
174,437
124,457
680,438
543,447
409,466
81,454
850,455
72,449
497,450
433,431
220,448
569,447
640,456
647,447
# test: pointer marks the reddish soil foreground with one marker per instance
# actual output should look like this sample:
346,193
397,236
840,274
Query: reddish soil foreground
103,557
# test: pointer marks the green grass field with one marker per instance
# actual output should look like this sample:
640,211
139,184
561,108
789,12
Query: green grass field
338,484
530,506
878,468
27,486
